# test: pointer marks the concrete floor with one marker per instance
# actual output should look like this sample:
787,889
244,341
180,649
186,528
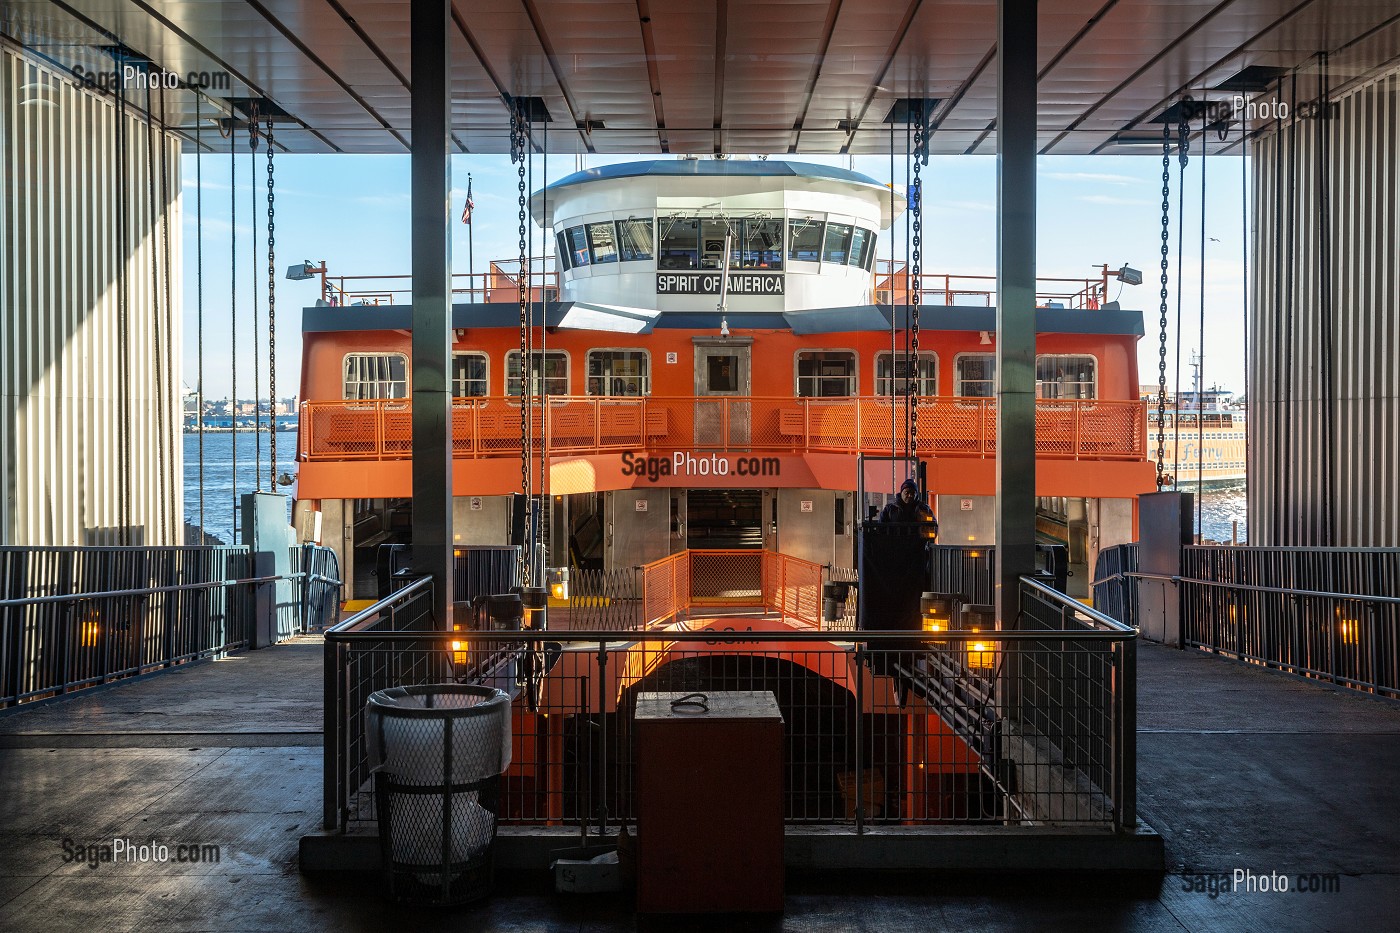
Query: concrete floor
1238,768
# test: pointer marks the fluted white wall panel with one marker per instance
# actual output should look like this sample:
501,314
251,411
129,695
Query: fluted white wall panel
1324,385
89,392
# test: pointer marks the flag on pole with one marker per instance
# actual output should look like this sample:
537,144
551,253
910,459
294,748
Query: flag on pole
467,208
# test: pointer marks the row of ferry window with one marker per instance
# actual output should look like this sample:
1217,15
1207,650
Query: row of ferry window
698,243
627,372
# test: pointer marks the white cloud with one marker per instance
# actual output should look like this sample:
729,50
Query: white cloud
1109,199
1095,177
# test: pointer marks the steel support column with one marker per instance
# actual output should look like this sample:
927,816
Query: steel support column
431,165
1016,151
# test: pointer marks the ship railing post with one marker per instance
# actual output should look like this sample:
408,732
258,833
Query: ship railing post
330,742
604,760
860,738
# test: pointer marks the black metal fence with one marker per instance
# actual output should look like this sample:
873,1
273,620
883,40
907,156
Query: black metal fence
77,617
1025,727
72,617
1327,613
318,600
1115,585
970,570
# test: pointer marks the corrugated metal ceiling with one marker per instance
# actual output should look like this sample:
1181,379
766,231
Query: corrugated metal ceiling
774,76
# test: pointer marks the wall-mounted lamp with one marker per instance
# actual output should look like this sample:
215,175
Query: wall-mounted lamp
986,340
724,327
1128,275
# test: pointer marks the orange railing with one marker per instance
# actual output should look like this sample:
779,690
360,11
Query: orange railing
893,284
1066,429
717,579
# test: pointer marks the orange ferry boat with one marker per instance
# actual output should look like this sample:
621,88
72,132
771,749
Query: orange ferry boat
713,347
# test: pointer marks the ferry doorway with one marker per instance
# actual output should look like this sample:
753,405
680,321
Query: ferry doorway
722,388
724,519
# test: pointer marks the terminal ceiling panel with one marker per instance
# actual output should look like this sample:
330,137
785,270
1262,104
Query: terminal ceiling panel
708,76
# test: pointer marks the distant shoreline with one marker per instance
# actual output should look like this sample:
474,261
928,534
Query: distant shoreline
211,429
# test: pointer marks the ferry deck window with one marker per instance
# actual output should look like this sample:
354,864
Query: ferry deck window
634,239
805,240
760,246
862,247
680,244
549,373
838,243
826,373
578,246
1064,376
564,251
602,238
618,373
376,375
976,375
468,375
927,371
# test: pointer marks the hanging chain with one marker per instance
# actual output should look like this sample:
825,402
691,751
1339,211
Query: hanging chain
271,315
1162,334
917,287
254,133
519,141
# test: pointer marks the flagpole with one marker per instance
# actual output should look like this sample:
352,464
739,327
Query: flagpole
471,260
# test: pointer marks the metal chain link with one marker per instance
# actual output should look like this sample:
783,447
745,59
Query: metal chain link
518,141
271,314
917,288
1162,333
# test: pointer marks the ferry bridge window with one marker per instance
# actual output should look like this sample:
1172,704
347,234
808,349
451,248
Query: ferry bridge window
927,371
1066,376
468,375
826,373
976,375
618,372
564,251
713,230
805,240
602,238
549,373
760,246
680,244
578,246
634,239
376,375
838,243
862,247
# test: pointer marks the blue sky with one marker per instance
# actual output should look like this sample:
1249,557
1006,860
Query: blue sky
353,213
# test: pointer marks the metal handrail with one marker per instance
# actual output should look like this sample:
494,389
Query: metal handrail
1231,585
373,612
881,636
213,584
1053,595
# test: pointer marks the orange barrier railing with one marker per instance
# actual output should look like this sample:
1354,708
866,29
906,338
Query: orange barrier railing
714,579
382,429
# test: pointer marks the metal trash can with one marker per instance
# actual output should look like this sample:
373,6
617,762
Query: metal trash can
438,752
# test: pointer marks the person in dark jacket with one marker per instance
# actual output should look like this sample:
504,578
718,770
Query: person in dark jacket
909,507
